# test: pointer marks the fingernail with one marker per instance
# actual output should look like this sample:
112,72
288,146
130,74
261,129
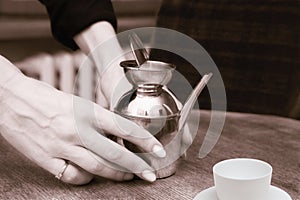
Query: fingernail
149,176
159,151
128,176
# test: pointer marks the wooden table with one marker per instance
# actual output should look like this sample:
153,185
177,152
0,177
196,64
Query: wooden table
270,138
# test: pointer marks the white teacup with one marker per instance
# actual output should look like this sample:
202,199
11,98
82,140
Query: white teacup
242,179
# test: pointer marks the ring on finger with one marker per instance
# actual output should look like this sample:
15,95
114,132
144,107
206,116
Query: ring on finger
62,171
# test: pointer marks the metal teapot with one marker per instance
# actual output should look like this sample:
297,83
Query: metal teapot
151,105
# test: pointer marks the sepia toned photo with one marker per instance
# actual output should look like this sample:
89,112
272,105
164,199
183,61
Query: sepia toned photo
150,99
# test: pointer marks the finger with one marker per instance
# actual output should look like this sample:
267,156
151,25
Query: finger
114,124
96,165
73,174
119,155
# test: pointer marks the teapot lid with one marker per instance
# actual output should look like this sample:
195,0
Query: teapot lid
149,65
154,72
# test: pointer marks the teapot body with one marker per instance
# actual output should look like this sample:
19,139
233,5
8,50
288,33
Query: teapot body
154,108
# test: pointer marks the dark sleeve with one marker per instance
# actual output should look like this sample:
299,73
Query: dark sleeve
70,17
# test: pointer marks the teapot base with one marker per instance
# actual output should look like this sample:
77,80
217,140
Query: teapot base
167,171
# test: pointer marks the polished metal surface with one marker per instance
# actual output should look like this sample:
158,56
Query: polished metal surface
154,108
137,47
147,101
151,72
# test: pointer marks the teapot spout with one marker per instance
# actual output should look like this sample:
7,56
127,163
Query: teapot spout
189,103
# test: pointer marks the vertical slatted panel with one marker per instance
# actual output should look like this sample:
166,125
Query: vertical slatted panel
40,66
68,72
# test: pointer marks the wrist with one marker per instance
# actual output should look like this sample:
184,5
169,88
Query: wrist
100,42
94,35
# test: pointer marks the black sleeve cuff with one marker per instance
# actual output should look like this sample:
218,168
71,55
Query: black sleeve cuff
70,17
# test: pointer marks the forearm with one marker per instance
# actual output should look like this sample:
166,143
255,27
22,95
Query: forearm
100,42
94,35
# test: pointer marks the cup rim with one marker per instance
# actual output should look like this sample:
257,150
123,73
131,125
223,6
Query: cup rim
269,173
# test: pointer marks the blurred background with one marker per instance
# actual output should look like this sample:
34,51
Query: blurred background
25,28
255,44
26,40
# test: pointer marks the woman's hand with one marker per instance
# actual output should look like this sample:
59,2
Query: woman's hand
50,127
